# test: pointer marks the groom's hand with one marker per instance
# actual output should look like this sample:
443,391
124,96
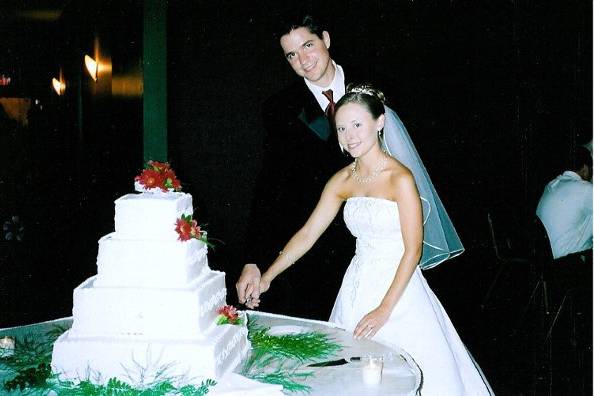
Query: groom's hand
248,286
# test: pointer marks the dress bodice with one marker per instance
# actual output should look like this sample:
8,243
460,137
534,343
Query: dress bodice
375,222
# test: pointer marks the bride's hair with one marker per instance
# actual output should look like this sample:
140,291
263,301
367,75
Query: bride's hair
365,94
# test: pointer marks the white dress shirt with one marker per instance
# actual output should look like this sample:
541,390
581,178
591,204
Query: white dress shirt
337,87
565,209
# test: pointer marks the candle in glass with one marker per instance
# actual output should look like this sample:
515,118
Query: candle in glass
6,346
372,369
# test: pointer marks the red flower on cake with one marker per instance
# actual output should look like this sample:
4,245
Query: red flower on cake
170,181
187,228
150,179
228,315
159,166
158,175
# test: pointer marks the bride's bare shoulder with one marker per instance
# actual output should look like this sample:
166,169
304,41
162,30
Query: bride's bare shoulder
339,181
399,173
342,175
397,167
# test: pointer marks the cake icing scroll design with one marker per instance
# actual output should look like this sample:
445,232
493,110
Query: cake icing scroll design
241,334
212,302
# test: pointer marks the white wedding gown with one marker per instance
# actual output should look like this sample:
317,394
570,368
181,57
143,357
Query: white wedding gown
418,324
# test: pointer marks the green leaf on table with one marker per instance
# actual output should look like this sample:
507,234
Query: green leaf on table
277,359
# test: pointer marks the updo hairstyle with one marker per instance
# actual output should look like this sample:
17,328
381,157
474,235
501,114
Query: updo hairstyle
366,95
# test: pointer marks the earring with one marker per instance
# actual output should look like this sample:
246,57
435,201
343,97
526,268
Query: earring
341,148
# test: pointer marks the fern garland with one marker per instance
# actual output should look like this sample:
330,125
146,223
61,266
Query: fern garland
117,387
302,347
290,380
31,370
278,359
30,364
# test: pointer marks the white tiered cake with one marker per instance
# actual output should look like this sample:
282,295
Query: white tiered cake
151,310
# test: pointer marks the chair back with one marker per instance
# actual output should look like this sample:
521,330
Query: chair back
507,245
540,248
493,238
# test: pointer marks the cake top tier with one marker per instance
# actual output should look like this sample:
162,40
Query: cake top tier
154,213
151,215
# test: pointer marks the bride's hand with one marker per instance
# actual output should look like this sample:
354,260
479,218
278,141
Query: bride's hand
254,302
264,284
371,323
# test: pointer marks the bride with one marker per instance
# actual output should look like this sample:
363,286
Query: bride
384,295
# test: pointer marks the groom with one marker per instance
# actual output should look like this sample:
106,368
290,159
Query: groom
301,154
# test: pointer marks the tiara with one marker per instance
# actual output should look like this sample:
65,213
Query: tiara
363,90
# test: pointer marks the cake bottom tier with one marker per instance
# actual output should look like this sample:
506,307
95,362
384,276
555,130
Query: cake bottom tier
98,359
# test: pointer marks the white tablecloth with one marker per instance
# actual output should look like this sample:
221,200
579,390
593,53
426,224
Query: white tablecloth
401,376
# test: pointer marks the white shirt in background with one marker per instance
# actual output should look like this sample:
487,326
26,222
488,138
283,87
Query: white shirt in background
565,209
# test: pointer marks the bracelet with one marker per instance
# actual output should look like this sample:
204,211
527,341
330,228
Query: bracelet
288,256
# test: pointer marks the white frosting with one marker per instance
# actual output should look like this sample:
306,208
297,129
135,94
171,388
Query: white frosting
150,216
142,263
155,190
101,358
149,312
152,304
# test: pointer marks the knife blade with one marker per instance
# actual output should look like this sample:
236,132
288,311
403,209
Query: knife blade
338,362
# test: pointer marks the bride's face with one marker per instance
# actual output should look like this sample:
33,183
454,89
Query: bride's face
357,129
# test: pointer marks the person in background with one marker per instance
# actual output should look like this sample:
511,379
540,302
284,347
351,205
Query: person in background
565,207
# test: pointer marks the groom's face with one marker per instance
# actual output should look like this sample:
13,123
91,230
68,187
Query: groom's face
308,55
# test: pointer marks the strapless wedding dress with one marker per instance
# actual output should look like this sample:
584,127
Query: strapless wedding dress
418,324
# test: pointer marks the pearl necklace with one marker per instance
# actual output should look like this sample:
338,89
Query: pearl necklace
363,180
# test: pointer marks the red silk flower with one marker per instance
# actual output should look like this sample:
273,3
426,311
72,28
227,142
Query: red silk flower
187,228
158,175
228,315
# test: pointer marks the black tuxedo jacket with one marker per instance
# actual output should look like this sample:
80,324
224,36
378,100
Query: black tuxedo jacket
301,153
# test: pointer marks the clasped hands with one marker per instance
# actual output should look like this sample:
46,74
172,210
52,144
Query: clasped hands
250,286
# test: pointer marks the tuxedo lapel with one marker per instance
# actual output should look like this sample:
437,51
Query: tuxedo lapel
312,115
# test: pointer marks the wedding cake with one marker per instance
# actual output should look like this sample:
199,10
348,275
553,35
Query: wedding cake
154,309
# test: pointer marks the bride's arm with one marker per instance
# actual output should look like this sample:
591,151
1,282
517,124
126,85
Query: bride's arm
411,223
321,217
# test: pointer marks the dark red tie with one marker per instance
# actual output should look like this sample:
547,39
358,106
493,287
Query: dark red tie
330,108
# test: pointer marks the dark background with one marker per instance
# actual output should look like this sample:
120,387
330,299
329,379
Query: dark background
495,94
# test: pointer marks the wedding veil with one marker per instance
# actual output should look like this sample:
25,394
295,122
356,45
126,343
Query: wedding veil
440,240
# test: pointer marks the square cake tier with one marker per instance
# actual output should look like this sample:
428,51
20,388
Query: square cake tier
145,313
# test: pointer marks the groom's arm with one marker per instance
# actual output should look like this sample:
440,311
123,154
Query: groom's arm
262,238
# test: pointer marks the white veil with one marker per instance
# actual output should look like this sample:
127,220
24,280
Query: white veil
440,240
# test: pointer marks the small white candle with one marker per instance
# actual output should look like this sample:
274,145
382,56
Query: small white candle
6,346
372,369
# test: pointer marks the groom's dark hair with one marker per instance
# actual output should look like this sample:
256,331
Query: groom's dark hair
581,157
292,21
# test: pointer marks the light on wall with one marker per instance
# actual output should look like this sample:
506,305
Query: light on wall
91,66
59,86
